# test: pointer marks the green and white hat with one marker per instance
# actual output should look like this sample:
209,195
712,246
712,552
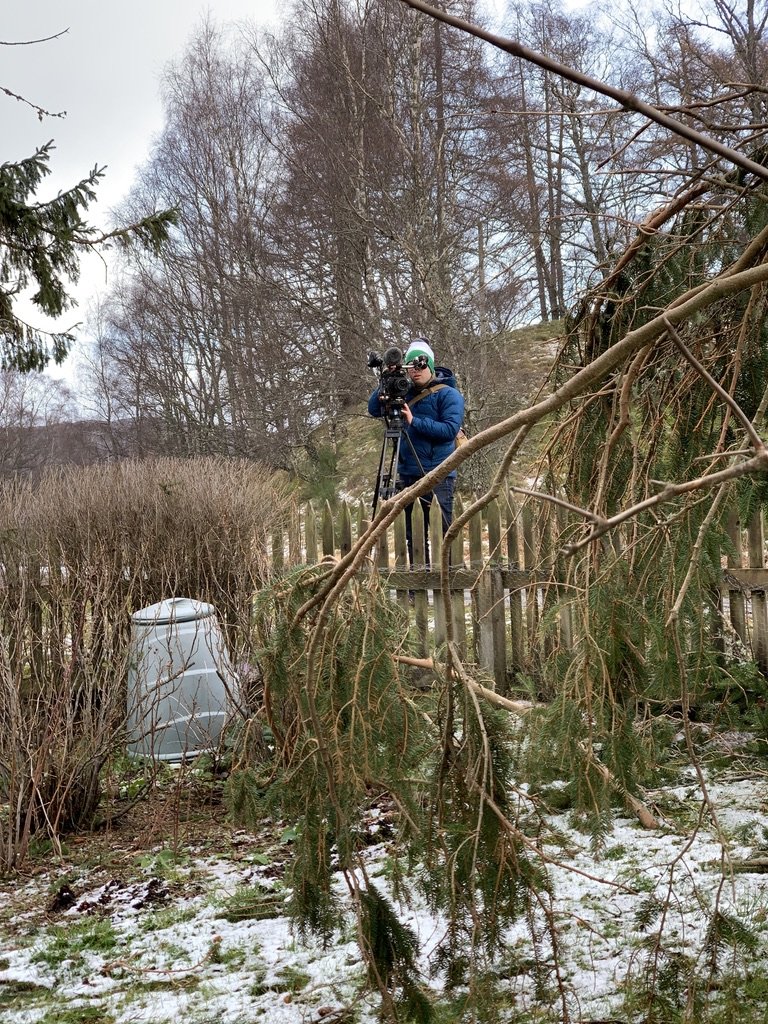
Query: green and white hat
420,347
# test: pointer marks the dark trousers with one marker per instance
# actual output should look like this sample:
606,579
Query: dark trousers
444,494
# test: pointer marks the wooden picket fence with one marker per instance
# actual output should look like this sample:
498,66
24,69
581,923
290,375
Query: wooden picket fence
506,573
500,579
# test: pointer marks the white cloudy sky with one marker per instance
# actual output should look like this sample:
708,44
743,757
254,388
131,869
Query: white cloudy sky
105,73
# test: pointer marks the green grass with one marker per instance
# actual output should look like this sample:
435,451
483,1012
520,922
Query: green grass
16,994
231,956
617,852
182,983
258,986
159,920
67,945
252,903
163,864
292,980
77,1015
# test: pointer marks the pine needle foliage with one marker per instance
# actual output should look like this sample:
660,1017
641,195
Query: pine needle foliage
475,832
662,985
726,932
393,950
657,419
40,248
348,732
341,741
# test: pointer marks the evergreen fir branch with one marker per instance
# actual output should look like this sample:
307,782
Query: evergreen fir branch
362,736
40,247
393,948
726,931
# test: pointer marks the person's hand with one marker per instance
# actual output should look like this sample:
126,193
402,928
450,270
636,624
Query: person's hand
407,414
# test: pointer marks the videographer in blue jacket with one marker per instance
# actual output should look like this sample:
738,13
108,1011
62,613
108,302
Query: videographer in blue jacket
429,431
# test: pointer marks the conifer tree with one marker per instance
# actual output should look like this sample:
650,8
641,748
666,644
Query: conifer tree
40,247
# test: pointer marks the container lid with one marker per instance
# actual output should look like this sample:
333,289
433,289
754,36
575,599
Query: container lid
175,609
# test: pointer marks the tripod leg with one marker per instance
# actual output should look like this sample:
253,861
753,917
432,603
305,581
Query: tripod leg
386,481
377,487
394,458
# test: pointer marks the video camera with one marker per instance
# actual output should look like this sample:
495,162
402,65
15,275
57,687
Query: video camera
393,379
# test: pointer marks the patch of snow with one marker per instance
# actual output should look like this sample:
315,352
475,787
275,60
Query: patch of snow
178,958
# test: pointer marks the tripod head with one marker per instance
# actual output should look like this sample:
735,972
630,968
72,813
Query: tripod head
393,413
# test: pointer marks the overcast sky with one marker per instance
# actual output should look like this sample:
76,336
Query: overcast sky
105,72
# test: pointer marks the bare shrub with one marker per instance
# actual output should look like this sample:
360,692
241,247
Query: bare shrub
80,550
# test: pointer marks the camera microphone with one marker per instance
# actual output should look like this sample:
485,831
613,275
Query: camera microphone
393,357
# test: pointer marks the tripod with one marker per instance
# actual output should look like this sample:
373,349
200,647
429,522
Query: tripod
386,480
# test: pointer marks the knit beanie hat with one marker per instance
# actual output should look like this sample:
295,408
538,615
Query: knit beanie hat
420,347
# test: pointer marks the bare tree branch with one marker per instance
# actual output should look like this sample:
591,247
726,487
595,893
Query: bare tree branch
757,464
40,111
625,99
33,42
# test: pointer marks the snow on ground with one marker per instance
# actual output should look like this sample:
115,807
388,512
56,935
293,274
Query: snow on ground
175,956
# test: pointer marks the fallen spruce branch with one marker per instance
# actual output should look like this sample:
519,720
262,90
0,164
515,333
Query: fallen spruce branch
755,865
521,707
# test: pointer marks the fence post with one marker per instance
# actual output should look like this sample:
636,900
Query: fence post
756,543
458,611
531,592
420,560
476,562
382,551
546,560
294,537
401,560
435,557
329,546
515,596
561,572
736,603
484,630
496,595
363,522
310,534
345,531
716,597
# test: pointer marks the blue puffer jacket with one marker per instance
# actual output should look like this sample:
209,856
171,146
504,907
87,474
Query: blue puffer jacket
437,419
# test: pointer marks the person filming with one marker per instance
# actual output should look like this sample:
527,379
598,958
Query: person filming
433,413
